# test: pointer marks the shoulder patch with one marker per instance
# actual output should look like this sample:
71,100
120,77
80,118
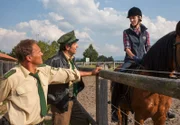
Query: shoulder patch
42,65
6,75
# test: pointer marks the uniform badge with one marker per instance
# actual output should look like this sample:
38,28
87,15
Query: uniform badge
9,73
144,37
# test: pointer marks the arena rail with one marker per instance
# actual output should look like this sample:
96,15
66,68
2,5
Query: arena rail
165,86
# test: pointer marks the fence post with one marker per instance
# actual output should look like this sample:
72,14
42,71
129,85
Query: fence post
101,101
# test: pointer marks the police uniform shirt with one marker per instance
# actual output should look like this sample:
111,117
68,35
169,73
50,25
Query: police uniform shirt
21,92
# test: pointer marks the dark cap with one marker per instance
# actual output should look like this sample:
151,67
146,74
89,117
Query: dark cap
67,38
134,11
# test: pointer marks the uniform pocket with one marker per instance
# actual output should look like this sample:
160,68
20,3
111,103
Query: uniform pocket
21,90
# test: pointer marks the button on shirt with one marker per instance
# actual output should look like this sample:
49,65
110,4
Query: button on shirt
21,92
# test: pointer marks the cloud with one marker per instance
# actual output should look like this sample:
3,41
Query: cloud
65,26
9,38
159,27
41,30
101,27
87,12
111,48
55,16
108,20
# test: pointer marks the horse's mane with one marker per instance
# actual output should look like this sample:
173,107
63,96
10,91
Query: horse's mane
160,55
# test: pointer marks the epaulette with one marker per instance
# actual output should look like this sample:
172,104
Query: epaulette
6,75
42,65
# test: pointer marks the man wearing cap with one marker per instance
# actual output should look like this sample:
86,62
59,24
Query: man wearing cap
64,105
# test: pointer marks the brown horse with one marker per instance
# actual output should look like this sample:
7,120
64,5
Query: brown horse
163,56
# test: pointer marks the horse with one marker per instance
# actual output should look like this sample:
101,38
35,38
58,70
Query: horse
162,56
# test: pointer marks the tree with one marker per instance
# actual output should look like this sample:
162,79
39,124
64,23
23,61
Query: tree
110,58
48,50
102,58
90,53
12,53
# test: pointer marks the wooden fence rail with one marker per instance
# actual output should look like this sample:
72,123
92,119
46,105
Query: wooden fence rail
165,86
112,64
169,87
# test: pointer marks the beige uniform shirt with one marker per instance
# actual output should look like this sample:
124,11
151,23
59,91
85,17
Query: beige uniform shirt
21,92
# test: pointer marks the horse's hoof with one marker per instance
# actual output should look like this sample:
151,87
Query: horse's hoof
114,117
171,115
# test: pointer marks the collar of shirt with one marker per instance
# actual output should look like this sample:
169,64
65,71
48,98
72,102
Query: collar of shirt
25,71
137,30
68,57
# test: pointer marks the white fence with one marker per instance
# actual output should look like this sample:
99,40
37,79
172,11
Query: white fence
5,66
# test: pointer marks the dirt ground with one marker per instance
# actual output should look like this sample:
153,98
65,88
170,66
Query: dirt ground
87,98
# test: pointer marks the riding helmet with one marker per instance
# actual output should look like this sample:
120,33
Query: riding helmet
134,11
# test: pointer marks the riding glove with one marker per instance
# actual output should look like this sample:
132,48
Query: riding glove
137,60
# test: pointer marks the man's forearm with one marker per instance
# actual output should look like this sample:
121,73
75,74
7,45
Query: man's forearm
83,73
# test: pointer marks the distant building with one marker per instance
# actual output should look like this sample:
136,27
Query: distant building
6,63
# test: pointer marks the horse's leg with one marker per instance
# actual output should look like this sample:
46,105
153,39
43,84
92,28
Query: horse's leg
123,118
119,116
159,119
139,119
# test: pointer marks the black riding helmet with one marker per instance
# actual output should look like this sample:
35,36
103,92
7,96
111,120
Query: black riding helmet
134,11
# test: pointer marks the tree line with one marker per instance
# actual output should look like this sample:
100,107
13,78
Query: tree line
49,49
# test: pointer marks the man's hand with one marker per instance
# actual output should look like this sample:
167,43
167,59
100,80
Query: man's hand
96,70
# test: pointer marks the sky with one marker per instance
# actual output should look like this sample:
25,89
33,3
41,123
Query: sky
97,22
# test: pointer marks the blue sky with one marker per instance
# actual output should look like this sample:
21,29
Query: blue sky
97,22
